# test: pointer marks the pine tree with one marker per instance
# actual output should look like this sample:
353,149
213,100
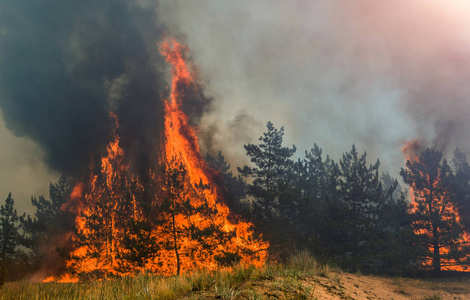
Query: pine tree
435,216
44,229
272,164
361,192
272,191
174,188
353,216
113,235
394,245
10,237
320,183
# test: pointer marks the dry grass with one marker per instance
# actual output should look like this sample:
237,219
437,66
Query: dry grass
221,284
300,277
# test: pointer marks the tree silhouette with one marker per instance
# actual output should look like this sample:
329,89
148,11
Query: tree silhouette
9,237
354,215
272,162
43,231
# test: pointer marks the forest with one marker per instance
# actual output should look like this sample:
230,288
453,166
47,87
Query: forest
348,213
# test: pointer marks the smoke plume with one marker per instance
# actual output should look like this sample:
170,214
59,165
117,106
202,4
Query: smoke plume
66,64
373,73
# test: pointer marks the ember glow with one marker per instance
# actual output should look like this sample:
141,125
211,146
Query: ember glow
190,227
434,201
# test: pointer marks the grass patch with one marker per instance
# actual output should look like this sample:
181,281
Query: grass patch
304,263
286,278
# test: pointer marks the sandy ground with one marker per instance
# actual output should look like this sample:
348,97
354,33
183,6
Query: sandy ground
352,286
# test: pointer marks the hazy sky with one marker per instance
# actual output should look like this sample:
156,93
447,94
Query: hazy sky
373,73
334,72
23,171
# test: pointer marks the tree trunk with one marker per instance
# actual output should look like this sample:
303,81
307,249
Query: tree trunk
436,260
175,239
436,257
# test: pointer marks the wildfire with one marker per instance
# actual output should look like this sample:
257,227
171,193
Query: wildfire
425,197
182,228
181,147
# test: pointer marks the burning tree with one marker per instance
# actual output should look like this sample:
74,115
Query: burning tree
436,220
196,235
172,223
113,235
205,232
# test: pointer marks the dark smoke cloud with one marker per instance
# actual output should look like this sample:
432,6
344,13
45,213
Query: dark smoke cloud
65,64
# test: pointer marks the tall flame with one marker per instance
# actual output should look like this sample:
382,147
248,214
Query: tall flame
195,231
181,146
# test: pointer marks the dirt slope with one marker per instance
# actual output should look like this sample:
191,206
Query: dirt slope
341,285
351,286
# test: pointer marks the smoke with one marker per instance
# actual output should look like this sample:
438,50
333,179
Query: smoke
66,64
373,73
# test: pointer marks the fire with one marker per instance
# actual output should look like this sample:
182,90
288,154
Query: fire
181,147
439,202
175,224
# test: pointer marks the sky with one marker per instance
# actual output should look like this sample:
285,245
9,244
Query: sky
371,73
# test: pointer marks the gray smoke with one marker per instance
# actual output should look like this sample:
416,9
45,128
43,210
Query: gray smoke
373,73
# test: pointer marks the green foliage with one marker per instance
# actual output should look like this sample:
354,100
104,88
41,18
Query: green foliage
43,232
362,213
10,238
48,213
339,211
9,229
394,245
272,190
272,163
361,196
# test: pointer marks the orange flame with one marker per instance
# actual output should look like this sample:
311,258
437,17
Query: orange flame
181,143
103,211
